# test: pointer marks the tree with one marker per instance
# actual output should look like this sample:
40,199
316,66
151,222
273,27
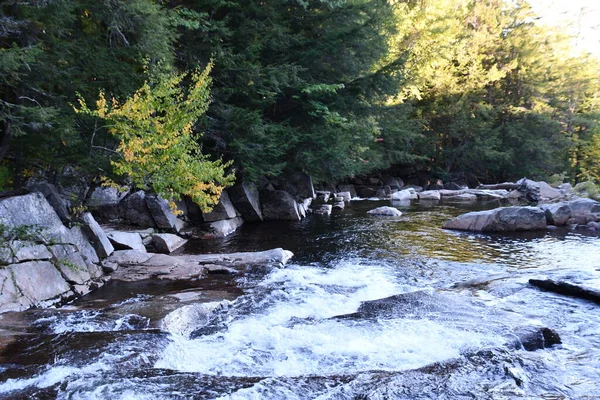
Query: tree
156,143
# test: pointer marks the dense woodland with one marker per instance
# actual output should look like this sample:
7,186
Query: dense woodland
186,95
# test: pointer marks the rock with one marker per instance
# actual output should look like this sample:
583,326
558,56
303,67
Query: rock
416,188
346,196
567,289
126,241
128,257
245,198
134,210
187,319
462,197
488,194
28,251
11,298
366,192
557,214
161,212
70,263
452,193
279,205
385,211
348,188
224,227
96,236
500,220
167,243
301,210
105,196
406,194
53,198
322,197
324,209
223,210
38,281
277,256
429,195
303,186
339,205
536,338
453,186
548,193
380,194
584,210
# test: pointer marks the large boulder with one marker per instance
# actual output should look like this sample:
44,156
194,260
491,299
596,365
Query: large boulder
557,214
279,205
70,263
404,195
584,210
223,210
105,196
189,318
161,213
126,241
348,188
54,199
96,236
246,199
301,186
429,195
166,242
505,219
385,211
223,227
38,281
134,210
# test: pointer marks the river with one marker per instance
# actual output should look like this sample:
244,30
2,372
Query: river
450,327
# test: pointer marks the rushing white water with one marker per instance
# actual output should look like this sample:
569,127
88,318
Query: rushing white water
291,335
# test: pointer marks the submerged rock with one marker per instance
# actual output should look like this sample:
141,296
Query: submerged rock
505,219
568,289
385,211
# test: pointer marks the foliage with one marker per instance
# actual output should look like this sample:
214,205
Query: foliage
156,142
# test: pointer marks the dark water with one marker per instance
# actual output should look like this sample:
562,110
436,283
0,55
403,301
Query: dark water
285,334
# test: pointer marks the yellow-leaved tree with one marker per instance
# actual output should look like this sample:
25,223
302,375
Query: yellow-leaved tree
157,146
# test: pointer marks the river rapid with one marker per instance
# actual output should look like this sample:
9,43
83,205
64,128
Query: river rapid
454,308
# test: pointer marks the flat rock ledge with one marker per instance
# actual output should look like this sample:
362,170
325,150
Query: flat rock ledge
132,265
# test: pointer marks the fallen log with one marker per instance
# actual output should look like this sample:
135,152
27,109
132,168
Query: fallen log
567,289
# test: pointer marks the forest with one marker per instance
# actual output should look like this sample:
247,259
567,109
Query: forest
185,96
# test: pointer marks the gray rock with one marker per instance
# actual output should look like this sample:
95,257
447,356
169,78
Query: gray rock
11,298
322,197
246,199
128,257
134,210
96,236
348,188
557,214
429,195
161,212
70,263
366,192
224,227
276,256
488,194
28,251
346,196
304,186
301,210
167,243
548,193
279,205
223,210
462,197
185,320
126,241
567,289
584,210
385,211
339,205
323,209
500,220
105,196
405,194
54,199
39,281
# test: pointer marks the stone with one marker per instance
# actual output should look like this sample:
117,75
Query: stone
276,256
366,192
39,280
453,186
322,197
324,209
504,219
346,196
583,209
245,198
429,195
385,211
161,212
128,257
224,227
405,194
223,210
53,198
105,196
11,298
187,319
380,194
126,241
279,205
28,251
301,210
96,235
70,263
415,188
462,197
167,243
533,338
489,194
557,214
338,205
303,185
348,188
567,289
548,193
134,210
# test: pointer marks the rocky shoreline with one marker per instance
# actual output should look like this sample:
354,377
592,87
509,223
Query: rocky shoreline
48,256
